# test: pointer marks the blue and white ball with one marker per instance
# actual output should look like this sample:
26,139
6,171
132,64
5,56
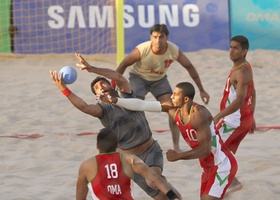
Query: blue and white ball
69,74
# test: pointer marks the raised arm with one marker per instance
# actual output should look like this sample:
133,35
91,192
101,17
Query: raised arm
92,109
121,82
186,63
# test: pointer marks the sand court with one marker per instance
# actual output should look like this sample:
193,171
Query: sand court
45,165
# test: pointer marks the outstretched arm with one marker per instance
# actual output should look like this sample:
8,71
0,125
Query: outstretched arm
92,109
121,82
185,62
138,104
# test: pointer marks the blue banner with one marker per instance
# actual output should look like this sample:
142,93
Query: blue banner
193,24
258,20
59,26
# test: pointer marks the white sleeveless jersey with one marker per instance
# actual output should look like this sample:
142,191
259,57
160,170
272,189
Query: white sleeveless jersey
153,67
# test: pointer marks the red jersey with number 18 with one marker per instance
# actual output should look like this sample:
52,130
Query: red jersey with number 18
110,181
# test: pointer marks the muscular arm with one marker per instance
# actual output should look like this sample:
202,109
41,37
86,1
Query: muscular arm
128,60
81,185
200,121
252,130
94,110
241,80
139,167
185,62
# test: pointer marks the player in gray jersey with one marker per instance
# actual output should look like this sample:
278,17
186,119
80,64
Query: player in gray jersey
132,128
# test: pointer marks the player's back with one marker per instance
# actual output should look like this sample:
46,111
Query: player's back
110,181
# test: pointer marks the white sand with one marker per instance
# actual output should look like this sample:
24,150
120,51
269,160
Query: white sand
46,167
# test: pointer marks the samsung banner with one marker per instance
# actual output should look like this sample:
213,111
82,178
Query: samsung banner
258,20
59,26
193,24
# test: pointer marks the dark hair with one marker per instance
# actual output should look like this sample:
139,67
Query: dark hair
187,89
242,40
99,78
162,28
107,140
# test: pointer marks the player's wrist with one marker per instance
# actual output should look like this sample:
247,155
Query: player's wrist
171,195
115,100
66,92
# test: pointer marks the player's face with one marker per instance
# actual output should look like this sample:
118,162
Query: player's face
235,51
177,97
158,41
101,87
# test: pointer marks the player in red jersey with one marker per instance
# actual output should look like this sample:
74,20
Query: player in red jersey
108,175
197,128
236,116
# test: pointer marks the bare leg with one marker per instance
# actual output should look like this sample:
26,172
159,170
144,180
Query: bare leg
234,186
208,197
175,133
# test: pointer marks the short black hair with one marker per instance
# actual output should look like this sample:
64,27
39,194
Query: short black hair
242,40
161,28
187,89
107,140
98,78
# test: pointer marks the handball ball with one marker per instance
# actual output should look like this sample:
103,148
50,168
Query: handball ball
69,74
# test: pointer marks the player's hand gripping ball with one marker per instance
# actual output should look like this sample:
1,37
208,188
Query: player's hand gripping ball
69,74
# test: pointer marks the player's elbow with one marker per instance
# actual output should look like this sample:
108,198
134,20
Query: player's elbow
206,149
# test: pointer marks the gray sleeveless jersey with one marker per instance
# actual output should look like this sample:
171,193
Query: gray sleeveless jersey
131,126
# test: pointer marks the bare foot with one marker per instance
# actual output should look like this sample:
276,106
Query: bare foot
234,186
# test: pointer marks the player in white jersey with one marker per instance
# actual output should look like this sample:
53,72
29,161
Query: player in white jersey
151,61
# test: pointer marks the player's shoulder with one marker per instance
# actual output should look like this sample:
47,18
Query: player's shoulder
201,111
89,163
130,158
146,44
244,67
244,70
173,48
144,48
172,45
